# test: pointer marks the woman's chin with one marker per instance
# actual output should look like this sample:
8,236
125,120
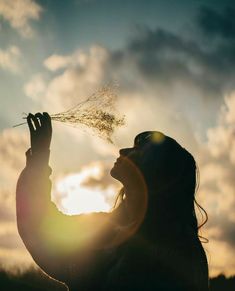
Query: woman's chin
115,173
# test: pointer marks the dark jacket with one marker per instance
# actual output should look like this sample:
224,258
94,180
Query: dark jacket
88,252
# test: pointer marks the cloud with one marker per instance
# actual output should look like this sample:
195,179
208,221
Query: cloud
89,190
35,87
10,59
7,205
13,144
155,62
216,24
19,13
15,260
82,74
11,241
55,62
220,258
217,168
170,59
103,179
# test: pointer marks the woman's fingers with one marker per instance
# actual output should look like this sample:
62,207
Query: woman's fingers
40,131
30,123
36,122
40,119
39,123
47,120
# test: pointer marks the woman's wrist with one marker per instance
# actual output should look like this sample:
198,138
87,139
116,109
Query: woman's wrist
38,157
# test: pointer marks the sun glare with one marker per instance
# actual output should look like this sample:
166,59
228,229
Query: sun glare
73,196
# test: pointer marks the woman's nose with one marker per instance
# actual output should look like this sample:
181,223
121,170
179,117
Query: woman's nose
125,151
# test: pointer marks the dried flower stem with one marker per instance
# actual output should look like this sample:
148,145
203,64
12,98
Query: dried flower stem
97,112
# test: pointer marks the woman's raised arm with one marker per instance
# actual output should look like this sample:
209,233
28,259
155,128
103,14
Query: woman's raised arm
55,241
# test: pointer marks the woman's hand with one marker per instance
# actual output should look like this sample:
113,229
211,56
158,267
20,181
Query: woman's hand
40,131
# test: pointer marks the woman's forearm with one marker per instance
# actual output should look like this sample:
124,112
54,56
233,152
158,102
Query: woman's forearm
33,195
36,214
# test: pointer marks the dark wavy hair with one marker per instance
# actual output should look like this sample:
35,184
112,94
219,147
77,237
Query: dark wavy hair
172,178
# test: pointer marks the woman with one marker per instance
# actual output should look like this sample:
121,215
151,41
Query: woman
149,241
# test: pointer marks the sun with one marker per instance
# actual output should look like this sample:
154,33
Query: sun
73,196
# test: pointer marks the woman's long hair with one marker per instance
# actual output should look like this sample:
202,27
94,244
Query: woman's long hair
169,228
172,179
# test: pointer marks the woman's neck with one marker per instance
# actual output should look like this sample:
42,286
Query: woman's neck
136,202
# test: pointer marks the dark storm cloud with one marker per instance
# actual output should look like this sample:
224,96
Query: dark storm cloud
166,58
157,53
217,24
218,32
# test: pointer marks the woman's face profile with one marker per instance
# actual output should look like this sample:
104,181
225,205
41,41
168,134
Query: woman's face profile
133,160
128,164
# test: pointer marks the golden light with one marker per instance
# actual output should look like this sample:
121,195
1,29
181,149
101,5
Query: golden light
73,196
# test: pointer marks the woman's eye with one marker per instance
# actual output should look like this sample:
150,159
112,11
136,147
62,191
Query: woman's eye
135,147
138,150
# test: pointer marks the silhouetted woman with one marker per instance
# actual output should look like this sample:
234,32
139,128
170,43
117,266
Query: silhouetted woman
149,241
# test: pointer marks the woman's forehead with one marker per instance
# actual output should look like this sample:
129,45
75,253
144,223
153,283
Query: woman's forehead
141,137
149,136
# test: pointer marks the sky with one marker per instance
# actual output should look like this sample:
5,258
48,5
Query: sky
174,63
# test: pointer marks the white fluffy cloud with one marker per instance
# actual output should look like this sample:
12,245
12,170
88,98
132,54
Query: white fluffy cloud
19,13
13,144
96,56
217,168
82,75
90,190
56,62
10,59
35,87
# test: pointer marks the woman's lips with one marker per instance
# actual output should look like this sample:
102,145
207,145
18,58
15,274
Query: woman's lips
118,160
